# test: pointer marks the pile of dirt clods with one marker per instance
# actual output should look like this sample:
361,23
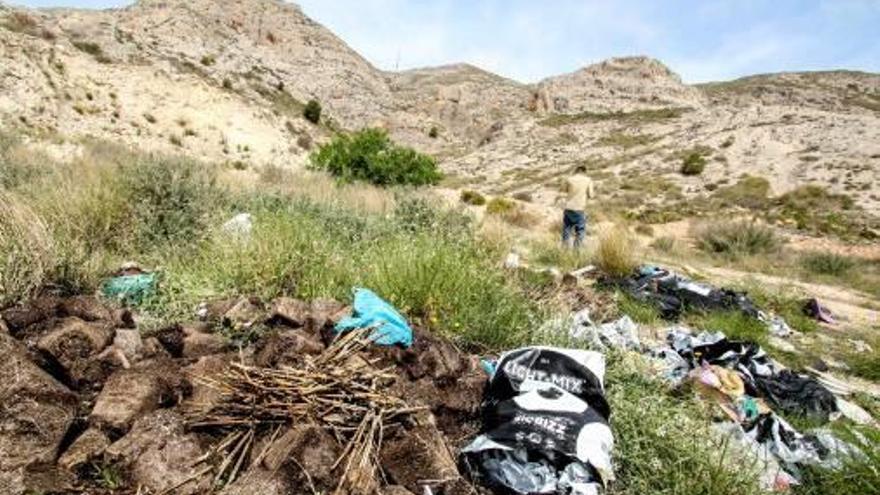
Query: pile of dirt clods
90,405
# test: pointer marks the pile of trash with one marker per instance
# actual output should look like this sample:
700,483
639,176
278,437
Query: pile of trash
672,293
747,386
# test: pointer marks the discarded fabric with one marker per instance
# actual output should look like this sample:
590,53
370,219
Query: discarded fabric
784,389
545,424
797,394
672,293
814,310
371,311
130,289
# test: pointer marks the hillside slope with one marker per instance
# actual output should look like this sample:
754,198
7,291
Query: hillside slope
226,81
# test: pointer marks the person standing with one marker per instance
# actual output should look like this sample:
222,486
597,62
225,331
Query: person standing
578,188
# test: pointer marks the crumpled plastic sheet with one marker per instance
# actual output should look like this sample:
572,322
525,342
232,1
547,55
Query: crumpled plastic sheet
776,325
620,334
371,311
130,289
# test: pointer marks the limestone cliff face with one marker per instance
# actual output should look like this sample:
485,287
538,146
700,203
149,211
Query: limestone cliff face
618,84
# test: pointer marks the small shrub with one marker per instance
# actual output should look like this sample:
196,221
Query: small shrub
645,230
312,111
499,205
738,238
693,164
371,156
304,141
616,254
434,132
828,264
728,142
170,199
665,244
208,60
227,84
524,196
175,140
150,118
472,198
749,192
92,49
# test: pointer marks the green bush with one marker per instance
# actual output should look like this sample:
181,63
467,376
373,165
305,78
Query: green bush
434,133
738,238
828,264
312,111
371,156
693,164
472,198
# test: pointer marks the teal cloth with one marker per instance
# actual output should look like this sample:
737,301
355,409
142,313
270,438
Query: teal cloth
130,289
371,311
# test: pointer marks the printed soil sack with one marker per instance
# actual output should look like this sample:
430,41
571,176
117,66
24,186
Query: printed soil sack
545,424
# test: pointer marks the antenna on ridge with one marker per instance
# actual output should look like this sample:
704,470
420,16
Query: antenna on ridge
397,61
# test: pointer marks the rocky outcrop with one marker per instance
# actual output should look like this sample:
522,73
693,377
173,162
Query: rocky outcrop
616,85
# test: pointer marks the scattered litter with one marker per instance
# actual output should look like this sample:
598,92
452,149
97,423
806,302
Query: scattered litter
773,477
815,310
620,334
371,311
833,384
573,277
672,293
240,226
777,326
512,261
131,285
797,394
545,424
855,413
785,389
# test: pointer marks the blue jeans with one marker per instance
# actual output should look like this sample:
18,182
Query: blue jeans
573,220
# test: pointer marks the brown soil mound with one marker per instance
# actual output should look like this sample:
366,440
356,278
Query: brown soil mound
89,405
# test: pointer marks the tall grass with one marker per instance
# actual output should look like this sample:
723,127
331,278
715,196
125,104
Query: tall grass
26,250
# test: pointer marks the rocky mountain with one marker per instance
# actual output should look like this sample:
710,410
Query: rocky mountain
227,81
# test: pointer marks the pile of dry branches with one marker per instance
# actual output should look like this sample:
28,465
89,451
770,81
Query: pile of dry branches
340,390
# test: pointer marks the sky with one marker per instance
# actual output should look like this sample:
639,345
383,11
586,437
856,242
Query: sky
528,40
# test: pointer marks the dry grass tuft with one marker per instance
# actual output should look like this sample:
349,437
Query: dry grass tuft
616,254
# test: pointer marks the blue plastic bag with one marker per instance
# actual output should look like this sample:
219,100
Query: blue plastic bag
371,311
